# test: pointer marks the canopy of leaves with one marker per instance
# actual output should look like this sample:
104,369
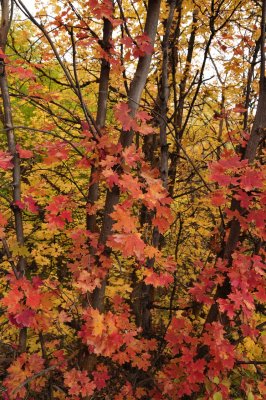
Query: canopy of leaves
132,215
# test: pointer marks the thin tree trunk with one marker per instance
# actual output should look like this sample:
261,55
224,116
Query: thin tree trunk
164,96
6,17
179,107
93,193
126,138
142,295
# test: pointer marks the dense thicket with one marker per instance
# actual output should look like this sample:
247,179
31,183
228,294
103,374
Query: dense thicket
132,218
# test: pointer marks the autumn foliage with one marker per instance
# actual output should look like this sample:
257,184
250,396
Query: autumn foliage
132,216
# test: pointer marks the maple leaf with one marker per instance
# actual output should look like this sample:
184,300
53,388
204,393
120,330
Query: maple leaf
101,10
143,47
129,183
228,307
58,214
125,222
218,198
244,198
87,281
5,160
23,153
129,244
109,161
100,376
122,113
127,41
79,383
145,129
22,72
56,151
239,108
12,300
152,252
142,362
23,368
143,116
258,216
121,358
131,155
156,280
3,220
163,218
155,192
222,170
251,179
112,178
30,204
33,299
98,322
24,318
250,331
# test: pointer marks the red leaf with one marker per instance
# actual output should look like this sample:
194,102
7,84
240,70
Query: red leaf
125,222
21,72
143,47
59,213
79,383
31,204
218,198
56,151
251,179
100,377
131,155
3,220
111,177
239,108
24,318
129,244
244,198
122,113
23,153
5,160
156,280
101,10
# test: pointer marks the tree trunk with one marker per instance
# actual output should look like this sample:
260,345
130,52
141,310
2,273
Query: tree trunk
126,138
6,16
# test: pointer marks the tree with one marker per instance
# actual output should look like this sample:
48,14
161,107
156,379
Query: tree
133,214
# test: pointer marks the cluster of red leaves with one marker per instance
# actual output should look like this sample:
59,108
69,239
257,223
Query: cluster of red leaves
54,151
59,212
246,184
78,383
113,335
138,123
28,303
138,47
88,270
247,286
20,373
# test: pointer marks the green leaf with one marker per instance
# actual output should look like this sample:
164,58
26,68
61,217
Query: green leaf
250,396
217,396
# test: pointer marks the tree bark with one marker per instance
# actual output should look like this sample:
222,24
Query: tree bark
6,18
126,138
93,192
